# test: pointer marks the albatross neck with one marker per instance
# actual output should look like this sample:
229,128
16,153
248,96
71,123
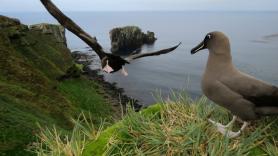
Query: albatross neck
219,62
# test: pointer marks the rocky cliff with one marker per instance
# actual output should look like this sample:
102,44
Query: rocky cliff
57,31
29,63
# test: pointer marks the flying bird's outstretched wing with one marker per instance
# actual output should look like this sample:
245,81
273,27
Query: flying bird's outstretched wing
73,27
110,63
159,52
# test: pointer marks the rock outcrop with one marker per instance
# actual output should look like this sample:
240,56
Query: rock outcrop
57,30
16,29
7,22
127,39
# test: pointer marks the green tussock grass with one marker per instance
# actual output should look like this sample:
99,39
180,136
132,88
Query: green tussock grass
173,127
55,142
180,127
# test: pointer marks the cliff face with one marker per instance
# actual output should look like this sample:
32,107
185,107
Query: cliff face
31,60
57,31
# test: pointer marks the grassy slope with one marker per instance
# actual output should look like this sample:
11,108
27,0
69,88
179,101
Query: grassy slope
86,96
30,62
181,128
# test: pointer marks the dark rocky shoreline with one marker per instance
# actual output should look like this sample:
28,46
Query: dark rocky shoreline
114,94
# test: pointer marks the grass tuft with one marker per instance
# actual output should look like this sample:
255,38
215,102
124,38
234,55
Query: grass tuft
56,142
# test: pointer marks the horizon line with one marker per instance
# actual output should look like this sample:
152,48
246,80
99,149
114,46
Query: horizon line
145,11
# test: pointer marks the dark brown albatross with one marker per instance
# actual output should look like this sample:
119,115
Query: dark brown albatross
110,63
245,96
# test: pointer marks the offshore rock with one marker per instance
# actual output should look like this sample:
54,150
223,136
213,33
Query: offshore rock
125,40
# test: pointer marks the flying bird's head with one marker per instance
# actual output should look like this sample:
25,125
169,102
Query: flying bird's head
216,42
112,63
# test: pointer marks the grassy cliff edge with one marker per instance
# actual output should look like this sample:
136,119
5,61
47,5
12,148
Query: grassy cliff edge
31,60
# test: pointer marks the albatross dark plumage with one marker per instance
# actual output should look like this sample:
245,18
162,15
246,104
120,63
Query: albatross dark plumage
110,63
245,96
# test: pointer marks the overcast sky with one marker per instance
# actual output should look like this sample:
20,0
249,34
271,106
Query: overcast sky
140,5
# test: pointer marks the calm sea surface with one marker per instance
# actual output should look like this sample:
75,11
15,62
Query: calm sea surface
253,36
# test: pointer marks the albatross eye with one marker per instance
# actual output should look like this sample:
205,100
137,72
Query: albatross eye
208,36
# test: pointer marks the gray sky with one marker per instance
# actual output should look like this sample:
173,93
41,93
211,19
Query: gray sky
140,5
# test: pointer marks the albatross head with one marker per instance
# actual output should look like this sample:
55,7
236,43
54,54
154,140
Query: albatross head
216,42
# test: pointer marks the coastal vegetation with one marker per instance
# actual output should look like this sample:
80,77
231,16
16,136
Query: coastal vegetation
173,127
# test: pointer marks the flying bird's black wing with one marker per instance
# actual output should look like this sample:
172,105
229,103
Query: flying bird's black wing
73,27
163,51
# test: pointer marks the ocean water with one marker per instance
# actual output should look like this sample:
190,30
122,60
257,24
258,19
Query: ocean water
253,37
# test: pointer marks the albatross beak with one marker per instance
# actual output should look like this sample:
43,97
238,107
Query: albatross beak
199,47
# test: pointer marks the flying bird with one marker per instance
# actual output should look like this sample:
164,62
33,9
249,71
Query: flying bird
110,63
245,96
